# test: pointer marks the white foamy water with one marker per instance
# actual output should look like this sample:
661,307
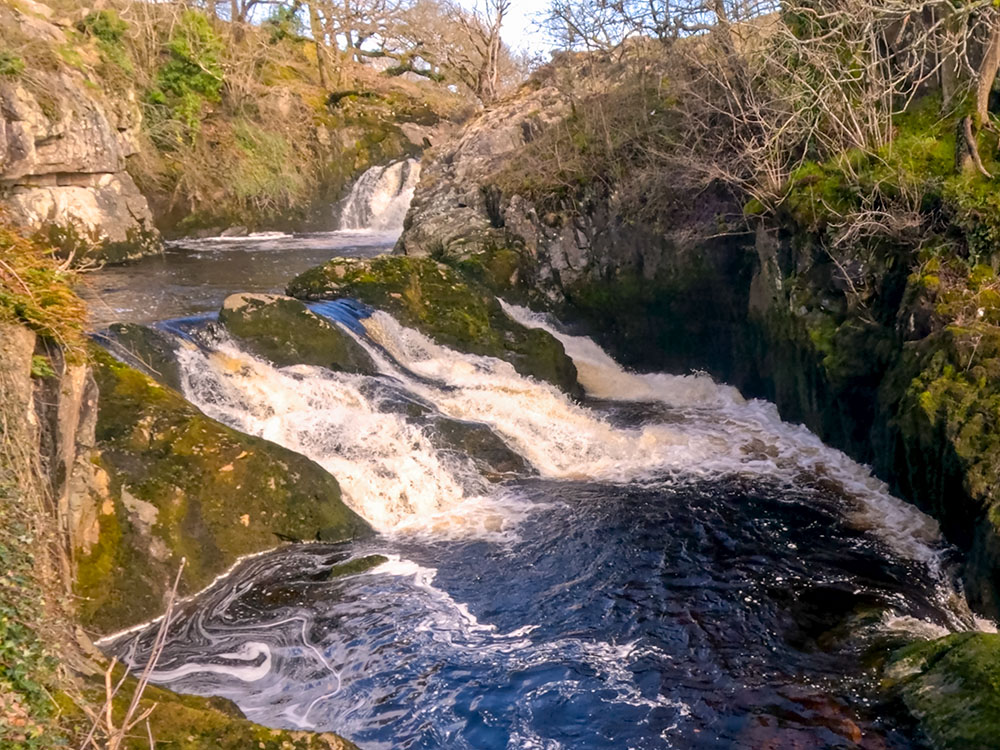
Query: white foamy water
388,469
757,439
380,198
394,477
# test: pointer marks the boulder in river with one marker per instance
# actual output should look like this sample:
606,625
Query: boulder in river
178,484
147,349
436,300
286,332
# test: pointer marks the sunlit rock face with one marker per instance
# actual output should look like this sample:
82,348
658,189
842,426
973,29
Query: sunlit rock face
63,148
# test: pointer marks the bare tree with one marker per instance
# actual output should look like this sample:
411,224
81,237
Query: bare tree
764,87
441,39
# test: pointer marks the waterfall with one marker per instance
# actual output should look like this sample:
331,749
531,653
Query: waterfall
381,197
669,534
394,476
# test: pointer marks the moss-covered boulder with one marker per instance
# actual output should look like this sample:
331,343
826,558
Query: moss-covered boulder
181,485
952,687
286,332
436,300
146,349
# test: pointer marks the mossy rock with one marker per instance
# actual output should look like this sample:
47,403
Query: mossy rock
182,485
286,332
479,442
146,349
476,440
436,300
952,687
188,722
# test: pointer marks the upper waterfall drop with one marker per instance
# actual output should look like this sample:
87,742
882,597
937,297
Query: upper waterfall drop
381,197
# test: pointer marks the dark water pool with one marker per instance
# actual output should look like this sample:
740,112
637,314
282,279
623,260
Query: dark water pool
701,615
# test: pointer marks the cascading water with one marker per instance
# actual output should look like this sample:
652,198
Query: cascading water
380,198
682,569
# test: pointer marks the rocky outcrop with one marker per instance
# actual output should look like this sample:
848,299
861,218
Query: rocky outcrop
63,151
904,376
641,284
437,301
950,685
179,485
60,488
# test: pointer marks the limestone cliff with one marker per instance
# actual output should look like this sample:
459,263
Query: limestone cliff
64,146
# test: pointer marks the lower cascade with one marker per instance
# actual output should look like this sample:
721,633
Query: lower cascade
380,198
672,566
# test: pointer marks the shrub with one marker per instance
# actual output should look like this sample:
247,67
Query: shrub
11,65
105,25
191,75
37,291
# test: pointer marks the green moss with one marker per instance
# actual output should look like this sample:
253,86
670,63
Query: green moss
434,299
286,332
183,485
952,686
357,566
146,349
501,266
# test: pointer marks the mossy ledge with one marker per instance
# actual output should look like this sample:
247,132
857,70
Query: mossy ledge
952,686
436,300
189,722
181,485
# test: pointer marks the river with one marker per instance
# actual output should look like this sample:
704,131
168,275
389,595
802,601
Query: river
673,566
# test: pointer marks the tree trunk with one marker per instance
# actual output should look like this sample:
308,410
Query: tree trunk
987,74
966,149
317,34
951,67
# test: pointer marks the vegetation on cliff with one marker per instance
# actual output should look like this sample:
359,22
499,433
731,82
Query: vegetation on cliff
36,290
258,120
164,483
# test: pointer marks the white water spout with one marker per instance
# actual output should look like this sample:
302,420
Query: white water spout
381,197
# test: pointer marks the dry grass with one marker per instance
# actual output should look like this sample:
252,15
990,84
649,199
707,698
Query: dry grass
36,290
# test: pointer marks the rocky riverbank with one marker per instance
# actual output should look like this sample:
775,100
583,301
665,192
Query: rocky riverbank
108,481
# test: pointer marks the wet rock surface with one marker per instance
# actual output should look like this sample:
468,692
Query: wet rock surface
439,302
181,485
286,332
